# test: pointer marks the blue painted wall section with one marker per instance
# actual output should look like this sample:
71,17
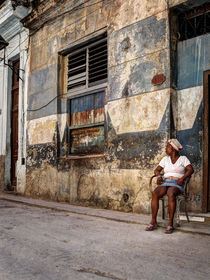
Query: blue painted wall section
42,89
191,140
141,50
142,70
193,59
139,39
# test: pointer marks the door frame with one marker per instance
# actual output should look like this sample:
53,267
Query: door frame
13,168
206,173
8,90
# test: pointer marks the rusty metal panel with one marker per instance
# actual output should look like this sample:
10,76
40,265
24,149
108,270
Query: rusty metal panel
86,123
87,140
88,109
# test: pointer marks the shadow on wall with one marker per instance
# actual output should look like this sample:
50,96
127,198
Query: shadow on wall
192,141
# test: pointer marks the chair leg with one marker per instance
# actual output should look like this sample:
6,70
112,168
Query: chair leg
178,202
163,209
186,213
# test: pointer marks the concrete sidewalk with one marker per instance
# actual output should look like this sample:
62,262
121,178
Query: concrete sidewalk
192,227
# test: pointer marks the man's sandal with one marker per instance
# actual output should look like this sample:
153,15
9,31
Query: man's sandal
151,227
169,230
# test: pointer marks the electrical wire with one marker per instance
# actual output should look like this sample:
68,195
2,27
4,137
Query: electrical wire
81,6
76,8
51,19
16,47
37,109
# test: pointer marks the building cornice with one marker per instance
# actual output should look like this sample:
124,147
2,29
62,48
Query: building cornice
10,23
47,10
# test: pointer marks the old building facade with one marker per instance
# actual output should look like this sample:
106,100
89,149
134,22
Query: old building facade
108,83
13,95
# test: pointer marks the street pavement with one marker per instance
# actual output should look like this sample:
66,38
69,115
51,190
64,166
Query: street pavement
40,243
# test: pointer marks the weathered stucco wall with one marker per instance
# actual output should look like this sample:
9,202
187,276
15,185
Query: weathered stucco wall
193,60
136,128
137,112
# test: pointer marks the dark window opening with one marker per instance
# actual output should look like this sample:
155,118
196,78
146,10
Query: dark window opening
194,22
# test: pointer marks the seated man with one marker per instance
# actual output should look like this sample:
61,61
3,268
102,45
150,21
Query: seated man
176,169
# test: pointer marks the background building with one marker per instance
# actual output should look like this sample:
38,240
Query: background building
13,96
109,82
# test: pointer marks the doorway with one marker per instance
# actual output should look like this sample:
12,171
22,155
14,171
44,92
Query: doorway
206,143
14,122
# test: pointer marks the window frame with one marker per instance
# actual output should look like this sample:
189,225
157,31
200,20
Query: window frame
80,92
71,128
75,91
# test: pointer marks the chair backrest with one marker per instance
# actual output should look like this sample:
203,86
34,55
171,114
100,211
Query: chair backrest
186,182
150,181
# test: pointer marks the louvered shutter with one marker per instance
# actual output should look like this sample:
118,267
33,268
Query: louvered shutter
97,63
77,70
88,67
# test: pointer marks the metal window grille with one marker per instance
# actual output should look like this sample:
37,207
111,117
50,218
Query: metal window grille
88,66
194,22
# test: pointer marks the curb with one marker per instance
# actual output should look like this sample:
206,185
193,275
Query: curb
59,208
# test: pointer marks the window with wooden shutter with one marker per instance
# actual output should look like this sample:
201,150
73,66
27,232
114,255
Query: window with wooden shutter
87,67
77,67
86,87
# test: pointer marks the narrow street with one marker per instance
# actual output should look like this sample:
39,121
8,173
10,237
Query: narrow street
42,244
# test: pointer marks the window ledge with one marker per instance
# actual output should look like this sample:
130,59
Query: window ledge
83,156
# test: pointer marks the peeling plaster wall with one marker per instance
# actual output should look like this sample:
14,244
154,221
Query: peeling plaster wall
173,3
137,113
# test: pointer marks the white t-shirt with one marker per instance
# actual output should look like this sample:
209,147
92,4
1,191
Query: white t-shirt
177,169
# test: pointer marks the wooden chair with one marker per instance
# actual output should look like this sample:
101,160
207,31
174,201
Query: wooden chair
179,199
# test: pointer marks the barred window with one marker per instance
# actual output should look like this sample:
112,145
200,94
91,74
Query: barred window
194,22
